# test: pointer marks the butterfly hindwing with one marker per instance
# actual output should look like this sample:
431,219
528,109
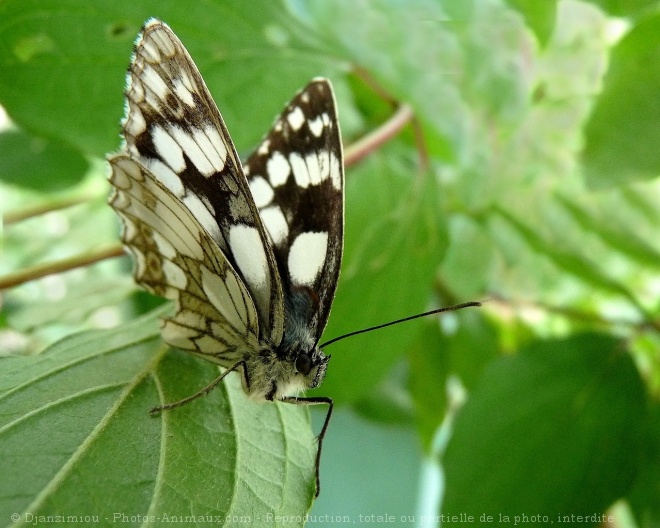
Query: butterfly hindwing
174,130
175,258
296,177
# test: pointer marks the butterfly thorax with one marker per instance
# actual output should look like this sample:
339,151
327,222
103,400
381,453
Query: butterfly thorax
296,364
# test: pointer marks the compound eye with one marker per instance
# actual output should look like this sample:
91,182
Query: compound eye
304,364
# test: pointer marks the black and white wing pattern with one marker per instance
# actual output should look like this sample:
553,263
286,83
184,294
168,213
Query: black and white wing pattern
252,266
297,181
174,130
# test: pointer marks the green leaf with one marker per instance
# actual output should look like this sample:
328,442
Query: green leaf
471,344
571,262
622,134
644,498
540,16
625,8
64,64
376,36
81,409
465,268
393,245
548,432
494,79
38,163
429,368
389,402
462,344
629,244
643,203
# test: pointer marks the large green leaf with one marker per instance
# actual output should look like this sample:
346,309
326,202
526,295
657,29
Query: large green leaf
625,8
392,249
464,350
645,496
77,438
375,36
37,163
63,64
540,16
581,266
623,134
466,267
629,244
552,431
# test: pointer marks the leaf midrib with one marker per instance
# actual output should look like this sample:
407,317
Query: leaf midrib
86,444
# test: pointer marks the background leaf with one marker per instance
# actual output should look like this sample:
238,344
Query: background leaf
538,15
93,46
407,224
613,153
625,8
34,162
581,426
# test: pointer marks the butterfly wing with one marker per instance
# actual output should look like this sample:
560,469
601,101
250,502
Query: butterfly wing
174,131
176,258
297,180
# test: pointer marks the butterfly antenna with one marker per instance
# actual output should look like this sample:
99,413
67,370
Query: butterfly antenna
410,318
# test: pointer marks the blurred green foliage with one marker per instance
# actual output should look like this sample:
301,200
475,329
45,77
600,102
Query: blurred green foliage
539,123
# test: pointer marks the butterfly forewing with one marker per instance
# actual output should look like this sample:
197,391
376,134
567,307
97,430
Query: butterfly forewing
174,130
296,178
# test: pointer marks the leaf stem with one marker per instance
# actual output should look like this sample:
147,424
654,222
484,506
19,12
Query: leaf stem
60,266
575,314
381,92
367,144
18,215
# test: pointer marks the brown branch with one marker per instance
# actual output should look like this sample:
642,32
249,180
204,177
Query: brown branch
368,79
381,92
421,144
18,215
573,313
367,144
60,266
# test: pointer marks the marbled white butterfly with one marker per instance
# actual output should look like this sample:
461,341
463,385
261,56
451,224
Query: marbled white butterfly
249,253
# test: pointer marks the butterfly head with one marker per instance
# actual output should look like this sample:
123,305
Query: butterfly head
311,367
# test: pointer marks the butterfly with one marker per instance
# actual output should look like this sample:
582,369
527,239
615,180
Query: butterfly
249,253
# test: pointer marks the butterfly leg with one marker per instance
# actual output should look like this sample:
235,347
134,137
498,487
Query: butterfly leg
157,410
321,400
